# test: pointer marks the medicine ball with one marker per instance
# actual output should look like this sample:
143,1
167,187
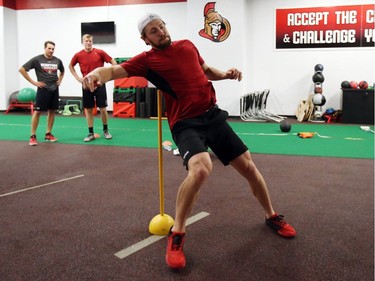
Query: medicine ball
13,97
26,95
319,99
318,114
318,68
345,85
363,85
330,111
318,77
285,126
353,85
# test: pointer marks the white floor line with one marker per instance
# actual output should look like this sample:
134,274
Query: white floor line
39,186
12,125
154,238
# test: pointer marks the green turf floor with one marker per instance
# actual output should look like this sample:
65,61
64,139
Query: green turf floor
331,140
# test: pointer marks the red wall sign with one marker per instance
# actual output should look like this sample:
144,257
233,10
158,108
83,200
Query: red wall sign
326,27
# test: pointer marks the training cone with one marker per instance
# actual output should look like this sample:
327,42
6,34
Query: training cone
161,224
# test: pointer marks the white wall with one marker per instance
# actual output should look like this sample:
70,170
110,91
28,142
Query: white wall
2,65
250,47
8,55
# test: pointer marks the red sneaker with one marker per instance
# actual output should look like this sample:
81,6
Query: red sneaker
175,257
277,223
49,137
33,141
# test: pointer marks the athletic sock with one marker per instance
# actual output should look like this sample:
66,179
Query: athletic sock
91,130
105,127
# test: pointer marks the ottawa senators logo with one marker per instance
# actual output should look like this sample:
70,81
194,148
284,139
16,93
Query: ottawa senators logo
216,27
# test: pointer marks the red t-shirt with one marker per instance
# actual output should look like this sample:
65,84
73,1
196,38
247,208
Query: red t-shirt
88,61
176,71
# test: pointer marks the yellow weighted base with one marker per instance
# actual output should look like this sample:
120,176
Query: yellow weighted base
161,224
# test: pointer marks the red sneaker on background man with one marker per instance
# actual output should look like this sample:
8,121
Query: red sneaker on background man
33,141
49,137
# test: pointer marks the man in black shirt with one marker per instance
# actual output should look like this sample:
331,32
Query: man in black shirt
48,81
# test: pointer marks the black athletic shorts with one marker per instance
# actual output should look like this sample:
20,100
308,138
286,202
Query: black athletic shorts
46,99
99,96
209,130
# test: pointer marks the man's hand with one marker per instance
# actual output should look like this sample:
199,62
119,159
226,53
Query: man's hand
91,82
234,73
215,74
39,84
102,75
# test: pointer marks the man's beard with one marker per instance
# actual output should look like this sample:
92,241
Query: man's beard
162,45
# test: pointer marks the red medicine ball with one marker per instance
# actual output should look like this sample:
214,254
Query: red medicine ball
354,85
363,85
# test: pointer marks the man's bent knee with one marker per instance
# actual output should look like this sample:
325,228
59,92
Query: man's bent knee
200,166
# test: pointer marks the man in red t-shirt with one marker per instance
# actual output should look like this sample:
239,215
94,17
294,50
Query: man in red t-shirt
196,123
89,59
